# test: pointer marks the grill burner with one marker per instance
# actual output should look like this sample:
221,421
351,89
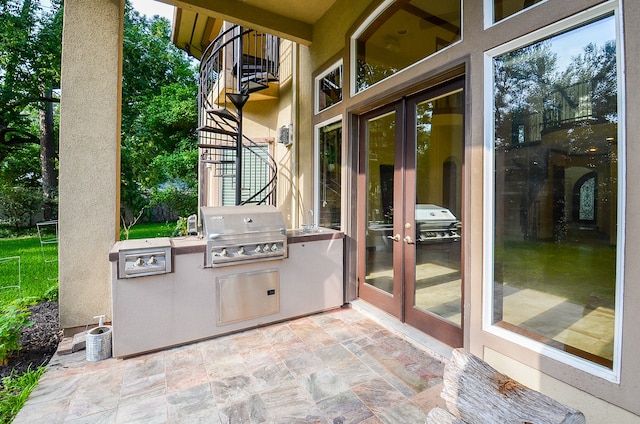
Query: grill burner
435,223
242,234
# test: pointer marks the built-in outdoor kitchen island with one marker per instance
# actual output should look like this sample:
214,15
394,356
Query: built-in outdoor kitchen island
244,271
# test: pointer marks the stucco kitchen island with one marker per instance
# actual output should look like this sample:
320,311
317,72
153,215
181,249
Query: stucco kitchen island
191,302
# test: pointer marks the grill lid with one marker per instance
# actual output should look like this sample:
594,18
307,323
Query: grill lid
436,223
434,213
226,222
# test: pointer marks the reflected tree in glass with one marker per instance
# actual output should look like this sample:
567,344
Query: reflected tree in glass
555,117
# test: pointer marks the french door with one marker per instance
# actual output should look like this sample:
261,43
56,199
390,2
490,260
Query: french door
410,185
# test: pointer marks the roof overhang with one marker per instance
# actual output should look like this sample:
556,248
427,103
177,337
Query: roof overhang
193,31
197,21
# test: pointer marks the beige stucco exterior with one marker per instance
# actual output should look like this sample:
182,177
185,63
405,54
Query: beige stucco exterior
89,157
89,163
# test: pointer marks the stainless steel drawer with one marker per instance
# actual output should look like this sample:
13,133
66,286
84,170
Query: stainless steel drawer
247,295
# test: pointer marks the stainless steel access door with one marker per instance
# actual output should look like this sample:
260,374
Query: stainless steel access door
247,295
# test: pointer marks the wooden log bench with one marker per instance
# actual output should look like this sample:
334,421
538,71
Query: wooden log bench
475,393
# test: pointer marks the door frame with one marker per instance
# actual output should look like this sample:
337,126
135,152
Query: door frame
400,302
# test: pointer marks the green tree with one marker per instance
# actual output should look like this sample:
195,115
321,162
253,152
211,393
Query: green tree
159,118
161,154
30,49
596,65
159,113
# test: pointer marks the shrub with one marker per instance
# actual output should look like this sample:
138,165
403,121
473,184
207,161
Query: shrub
51,295
177,197
20,204
14,316
181,228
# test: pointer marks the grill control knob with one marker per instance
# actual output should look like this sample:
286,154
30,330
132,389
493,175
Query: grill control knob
139,262
241,250
258,249
153,260
267,248
224,252
274,248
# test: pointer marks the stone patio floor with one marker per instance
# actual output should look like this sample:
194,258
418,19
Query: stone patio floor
341,366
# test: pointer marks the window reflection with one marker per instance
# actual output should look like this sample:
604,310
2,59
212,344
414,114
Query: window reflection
330,153
405,33
329,88
505,8
381,157
438,210
555,112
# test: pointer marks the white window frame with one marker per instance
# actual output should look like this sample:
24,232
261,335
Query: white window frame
613,374
316,167
489,13
317,90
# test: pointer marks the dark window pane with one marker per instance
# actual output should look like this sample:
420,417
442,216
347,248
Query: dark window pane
330,150
330,89
504,8
405,33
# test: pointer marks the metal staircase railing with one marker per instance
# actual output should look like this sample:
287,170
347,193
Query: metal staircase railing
237,63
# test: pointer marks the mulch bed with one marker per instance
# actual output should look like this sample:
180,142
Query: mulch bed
39,341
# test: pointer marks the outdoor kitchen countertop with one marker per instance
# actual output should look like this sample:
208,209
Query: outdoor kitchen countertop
300,235
197,244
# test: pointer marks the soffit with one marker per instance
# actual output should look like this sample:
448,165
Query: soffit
193,31
306,11
290,19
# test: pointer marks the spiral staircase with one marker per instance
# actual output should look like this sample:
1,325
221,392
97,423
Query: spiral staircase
238,170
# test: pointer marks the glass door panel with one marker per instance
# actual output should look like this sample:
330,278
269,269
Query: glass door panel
439,140
381,255
380,192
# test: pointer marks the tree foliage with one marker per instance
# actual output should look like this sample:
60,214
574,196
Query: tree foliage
159,113
159,118
30,51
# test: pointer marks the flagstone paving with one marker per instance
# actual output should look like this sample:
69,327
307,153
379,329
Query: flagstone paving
336,367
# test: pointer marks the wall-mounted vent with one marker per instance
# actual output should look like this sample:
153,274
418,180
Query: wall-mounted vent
285,134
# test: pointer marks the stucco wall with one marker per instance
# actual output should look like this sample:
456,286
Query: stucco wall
580,389
287,193
89,156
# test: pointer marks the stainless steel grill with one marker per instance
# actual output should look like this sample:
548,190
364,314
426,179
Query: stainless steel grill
242,234
435,223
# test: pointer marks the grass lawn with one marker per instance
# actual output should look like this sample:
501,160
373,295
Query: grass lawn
37,270
38,264
152,230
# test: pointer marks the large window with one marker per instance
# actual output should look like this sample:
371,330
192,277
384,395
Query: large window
555,145
329,174
403,33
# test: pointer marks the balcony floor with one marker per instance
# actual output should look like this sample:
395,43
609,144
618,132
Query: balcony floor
342,366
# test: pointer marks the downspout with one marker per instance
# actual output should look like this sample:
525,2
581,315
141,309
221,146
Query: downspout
238,56
295,160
